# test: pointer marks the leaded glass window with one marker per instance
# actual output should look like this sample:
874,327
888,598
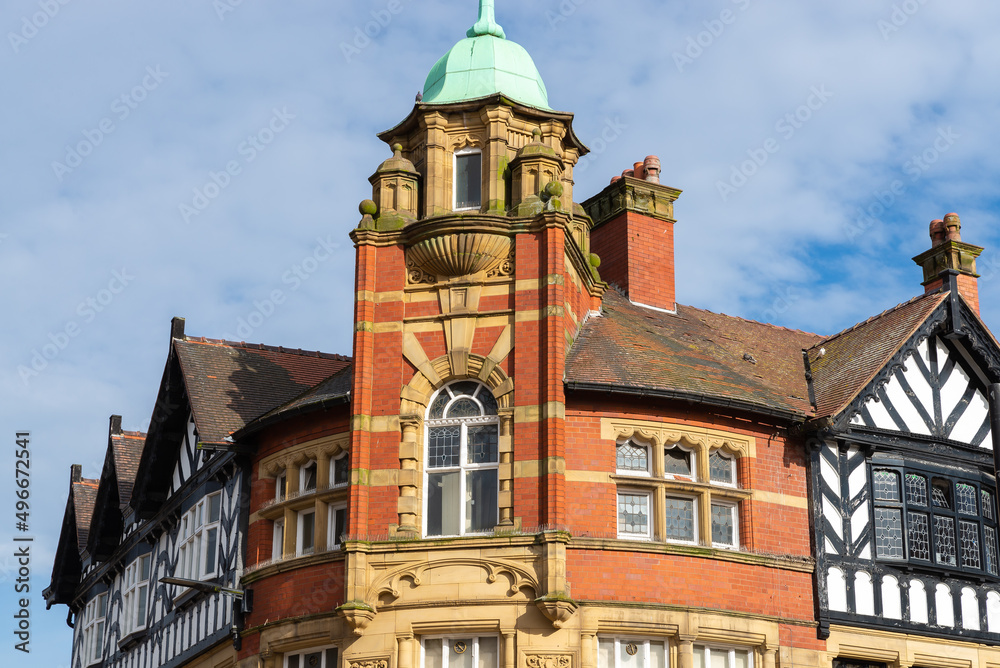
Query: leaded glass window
462,461
944,540
677,461
919,536
886,485
965,499
724,524
721,469
680,519
968,535
889,533
940,494
916,489
987,502
632,458
990,551
633,514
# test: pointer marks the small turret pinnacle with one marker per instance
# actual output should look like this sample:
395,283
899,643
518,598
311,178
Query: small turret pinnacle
487,23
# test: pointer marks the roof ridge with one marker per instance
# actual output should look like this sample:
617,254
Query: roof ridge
132,434
755,322
89,482
879,315
262,346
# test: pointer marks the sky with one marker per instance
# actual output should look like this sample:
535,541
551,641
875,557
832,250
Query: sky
194,158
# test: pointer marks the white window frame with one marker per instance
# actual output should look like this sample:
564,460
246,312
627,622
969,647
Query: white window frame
332,535
342,458
281,487
692,463
94,625
452,637
644,643
734,510
632,472
135,594
463,466
732,467
286,660
300,518
469,150
302,477
278,540
730,654
650,513
196,537
695,509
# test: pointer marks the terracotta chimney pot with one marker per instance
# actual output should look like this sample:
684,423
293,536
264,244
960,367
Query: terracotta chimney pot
652,168
937,232
638,170
953,227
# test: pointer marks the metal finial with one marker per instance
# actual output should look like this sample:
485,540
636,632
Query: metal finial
487,23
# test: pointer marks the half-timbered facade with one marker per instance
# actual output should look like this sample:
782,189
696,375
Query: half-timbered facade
172,503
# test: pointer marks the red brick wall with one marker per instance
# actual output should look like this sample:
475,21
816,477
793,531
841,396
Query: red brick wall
637,254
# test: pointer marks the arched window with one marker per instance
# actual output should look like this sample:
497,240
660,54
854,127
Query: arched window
461,461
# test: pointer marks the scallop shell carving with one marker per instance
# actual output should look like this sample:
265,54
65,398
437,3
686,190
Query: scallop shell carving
460,254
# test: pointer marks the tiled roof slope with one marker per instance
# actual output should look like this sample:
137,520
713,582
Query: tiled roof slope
84,498
337,386
127,448
230,384
695,353
853,357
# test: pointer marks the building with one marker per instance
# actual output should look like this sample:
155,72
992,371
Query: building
536,458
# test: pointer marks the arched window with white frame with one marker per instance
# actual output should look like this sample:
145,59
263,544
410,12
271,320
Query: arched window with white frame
461,472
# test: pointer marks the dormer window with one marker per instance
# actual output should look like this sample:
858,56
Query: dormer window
468,181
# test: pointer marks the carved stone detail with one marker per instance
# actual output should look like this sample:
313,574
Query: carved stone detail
460,254
505,268
372,663
548,660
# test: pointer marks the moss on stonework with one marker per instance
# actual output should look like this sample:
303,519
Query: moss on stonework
391,222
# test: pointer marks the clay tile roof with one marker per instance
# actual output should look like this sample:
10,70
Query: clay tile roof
337,386
84,498
127,448
692,353
230,384
854,357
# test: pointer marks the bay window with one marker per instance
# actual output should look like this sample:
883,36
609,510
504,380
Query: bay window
199,539
462,461
721,657
338,524
677,494
94,615
305,539
135,595
324,657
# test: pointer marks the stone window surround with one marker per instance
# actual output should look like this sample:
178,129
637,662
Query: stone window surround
661,435
289,461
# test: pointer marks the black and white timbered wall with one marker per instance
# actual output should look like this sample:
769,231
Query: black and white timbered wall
905,502
197,534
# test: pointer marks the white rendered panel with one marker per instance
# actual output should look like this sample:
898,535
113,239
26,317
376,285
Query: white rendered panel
864,594
829,473
834,518
918,602
993,612
859,521
953,389
918,383
972,419
944,605
858,479
880,417
970,609
904,407
892,607
836,587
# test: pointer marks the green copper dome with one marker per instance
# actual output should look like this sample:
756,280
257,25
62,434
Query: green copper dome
483,64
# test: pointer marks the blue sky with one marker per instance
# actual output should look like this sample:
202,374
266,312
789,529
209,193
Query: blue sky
121,115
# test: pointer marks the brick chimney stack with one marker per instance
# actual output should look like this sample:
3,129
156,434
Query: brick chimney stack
633,234
950,255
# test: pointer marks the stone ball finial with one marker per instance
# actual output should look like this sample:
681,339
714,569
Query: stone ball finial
937,232
536,135
595,260
397,149
554,189
368,207
953,227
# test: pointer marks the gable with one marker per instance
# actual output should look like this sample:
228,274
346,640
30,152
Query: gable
936,391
